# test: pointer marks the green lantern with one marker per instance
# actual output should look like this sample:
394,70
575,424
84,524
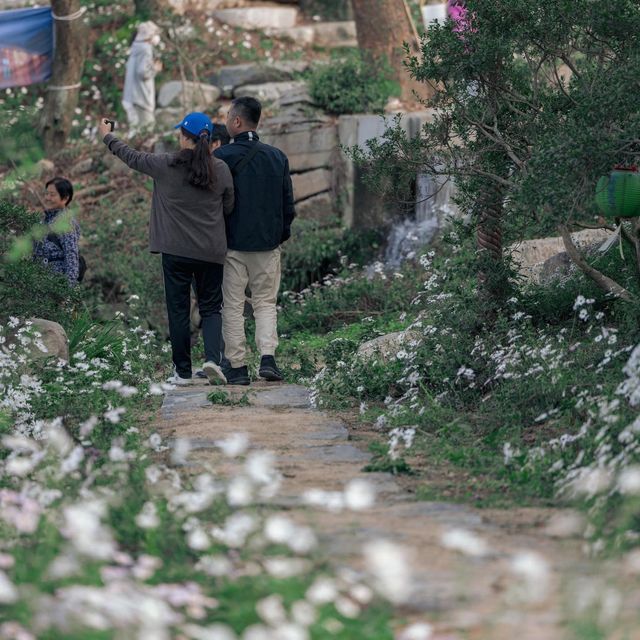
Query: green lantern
618,194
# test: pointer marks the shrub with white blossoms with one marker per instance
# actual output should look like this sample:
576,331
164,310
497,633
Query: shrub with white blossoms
130,546
518,360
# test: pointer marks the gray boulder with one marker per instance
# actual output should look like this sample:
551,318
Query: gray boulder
270,91
188,95
555,268
82,166
387,346
53,337
233,76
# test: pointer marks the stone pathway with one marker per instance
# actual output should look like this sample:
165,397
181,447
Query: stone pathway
479,598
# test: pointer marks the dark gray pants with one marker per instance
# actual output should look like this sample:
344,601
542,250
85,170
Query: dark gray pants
179,273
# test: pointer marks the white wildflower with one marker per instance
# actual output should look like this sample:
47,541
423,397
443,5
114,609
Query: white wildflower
359,495
629,481
389,565
235,445
465,542
148,517
417,631
534,574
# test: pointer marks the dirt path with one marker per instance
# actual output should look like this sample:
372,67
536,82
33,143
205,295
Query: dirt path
463,596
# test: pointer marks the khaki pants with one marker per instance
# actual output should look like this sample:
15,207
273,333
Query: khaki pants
260,271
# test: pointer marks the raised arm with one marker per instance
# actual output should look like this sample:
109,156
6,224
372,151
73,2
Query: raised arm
152,164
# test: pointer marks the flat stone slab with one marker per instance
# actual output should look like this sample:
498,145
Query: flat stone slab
313,452
337,453
289,395
330,431
259,17
184,399
259,395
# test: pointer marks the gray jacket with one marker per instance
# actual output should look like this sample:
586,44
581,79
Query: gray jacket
185,221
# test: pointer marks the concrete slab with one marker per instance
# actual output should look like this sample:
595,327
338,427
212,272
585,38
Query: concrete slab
259,17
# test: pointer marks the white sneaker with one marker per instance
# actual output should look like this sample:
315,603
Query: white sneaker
178,381
214,373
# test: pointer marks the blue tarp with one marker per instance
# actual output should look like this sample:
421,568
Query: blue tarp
26,46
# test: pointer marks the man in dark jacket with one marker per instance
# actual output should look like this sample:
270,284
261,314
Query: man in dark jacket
260,223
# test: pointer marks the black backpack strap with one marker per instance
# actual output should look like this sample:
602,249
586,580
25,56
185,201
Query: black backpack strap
246,159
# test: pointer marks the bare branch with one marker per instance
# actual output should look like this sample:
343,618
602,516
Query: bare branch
604,282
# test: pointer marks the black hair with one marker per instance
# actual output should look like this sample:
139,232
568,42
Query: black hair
220,133
249,109
63,187
198,161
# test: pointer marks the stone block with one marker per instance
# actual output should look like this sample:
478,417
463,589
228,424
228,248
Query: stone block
269,91
188,95
230,77
310,183
530,252
259,17
545,260
335,34
308,145
182,6
304,34
320,208
54,338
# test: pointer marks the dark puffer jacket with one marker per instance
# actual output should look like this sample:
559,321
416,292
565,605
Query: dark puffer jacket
264,207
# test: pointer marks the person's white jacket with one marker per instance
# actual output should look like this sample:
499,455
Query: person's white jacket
139,82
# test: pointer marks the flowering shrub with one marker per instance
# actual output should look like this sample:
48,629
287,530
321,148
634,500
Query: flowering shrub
100,534
544,409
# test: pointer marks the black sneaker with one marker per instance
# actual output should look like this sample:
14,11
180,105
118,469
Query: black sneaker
269,369
237,375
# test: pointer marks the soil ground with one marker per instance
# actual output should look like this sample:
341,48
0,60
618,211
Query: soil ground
478,598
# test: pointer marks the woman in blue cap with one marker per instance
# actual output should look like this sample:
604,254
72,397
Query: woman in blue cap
192,194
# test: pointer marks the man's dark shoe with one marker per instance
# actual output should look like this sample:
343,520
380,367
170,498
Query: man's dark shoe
237,375
269,369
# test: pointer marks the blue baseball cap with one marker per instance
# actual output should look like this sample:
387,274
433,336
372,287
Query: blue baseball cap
196,122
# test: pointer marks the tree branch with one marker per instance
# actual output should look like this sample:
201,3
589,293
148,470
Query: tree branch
604,282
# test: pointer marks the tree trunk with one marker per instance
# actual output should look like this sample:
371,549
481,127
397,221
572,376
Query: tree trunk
492,281
383,28
64,87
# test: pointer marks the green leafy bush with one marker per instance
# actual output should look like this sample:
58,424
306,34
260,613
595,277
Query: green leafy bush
316,250
354,84
327,9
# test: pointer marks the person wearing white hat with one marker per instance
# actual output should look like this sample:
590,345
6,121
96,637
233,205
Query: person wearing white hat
139,96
